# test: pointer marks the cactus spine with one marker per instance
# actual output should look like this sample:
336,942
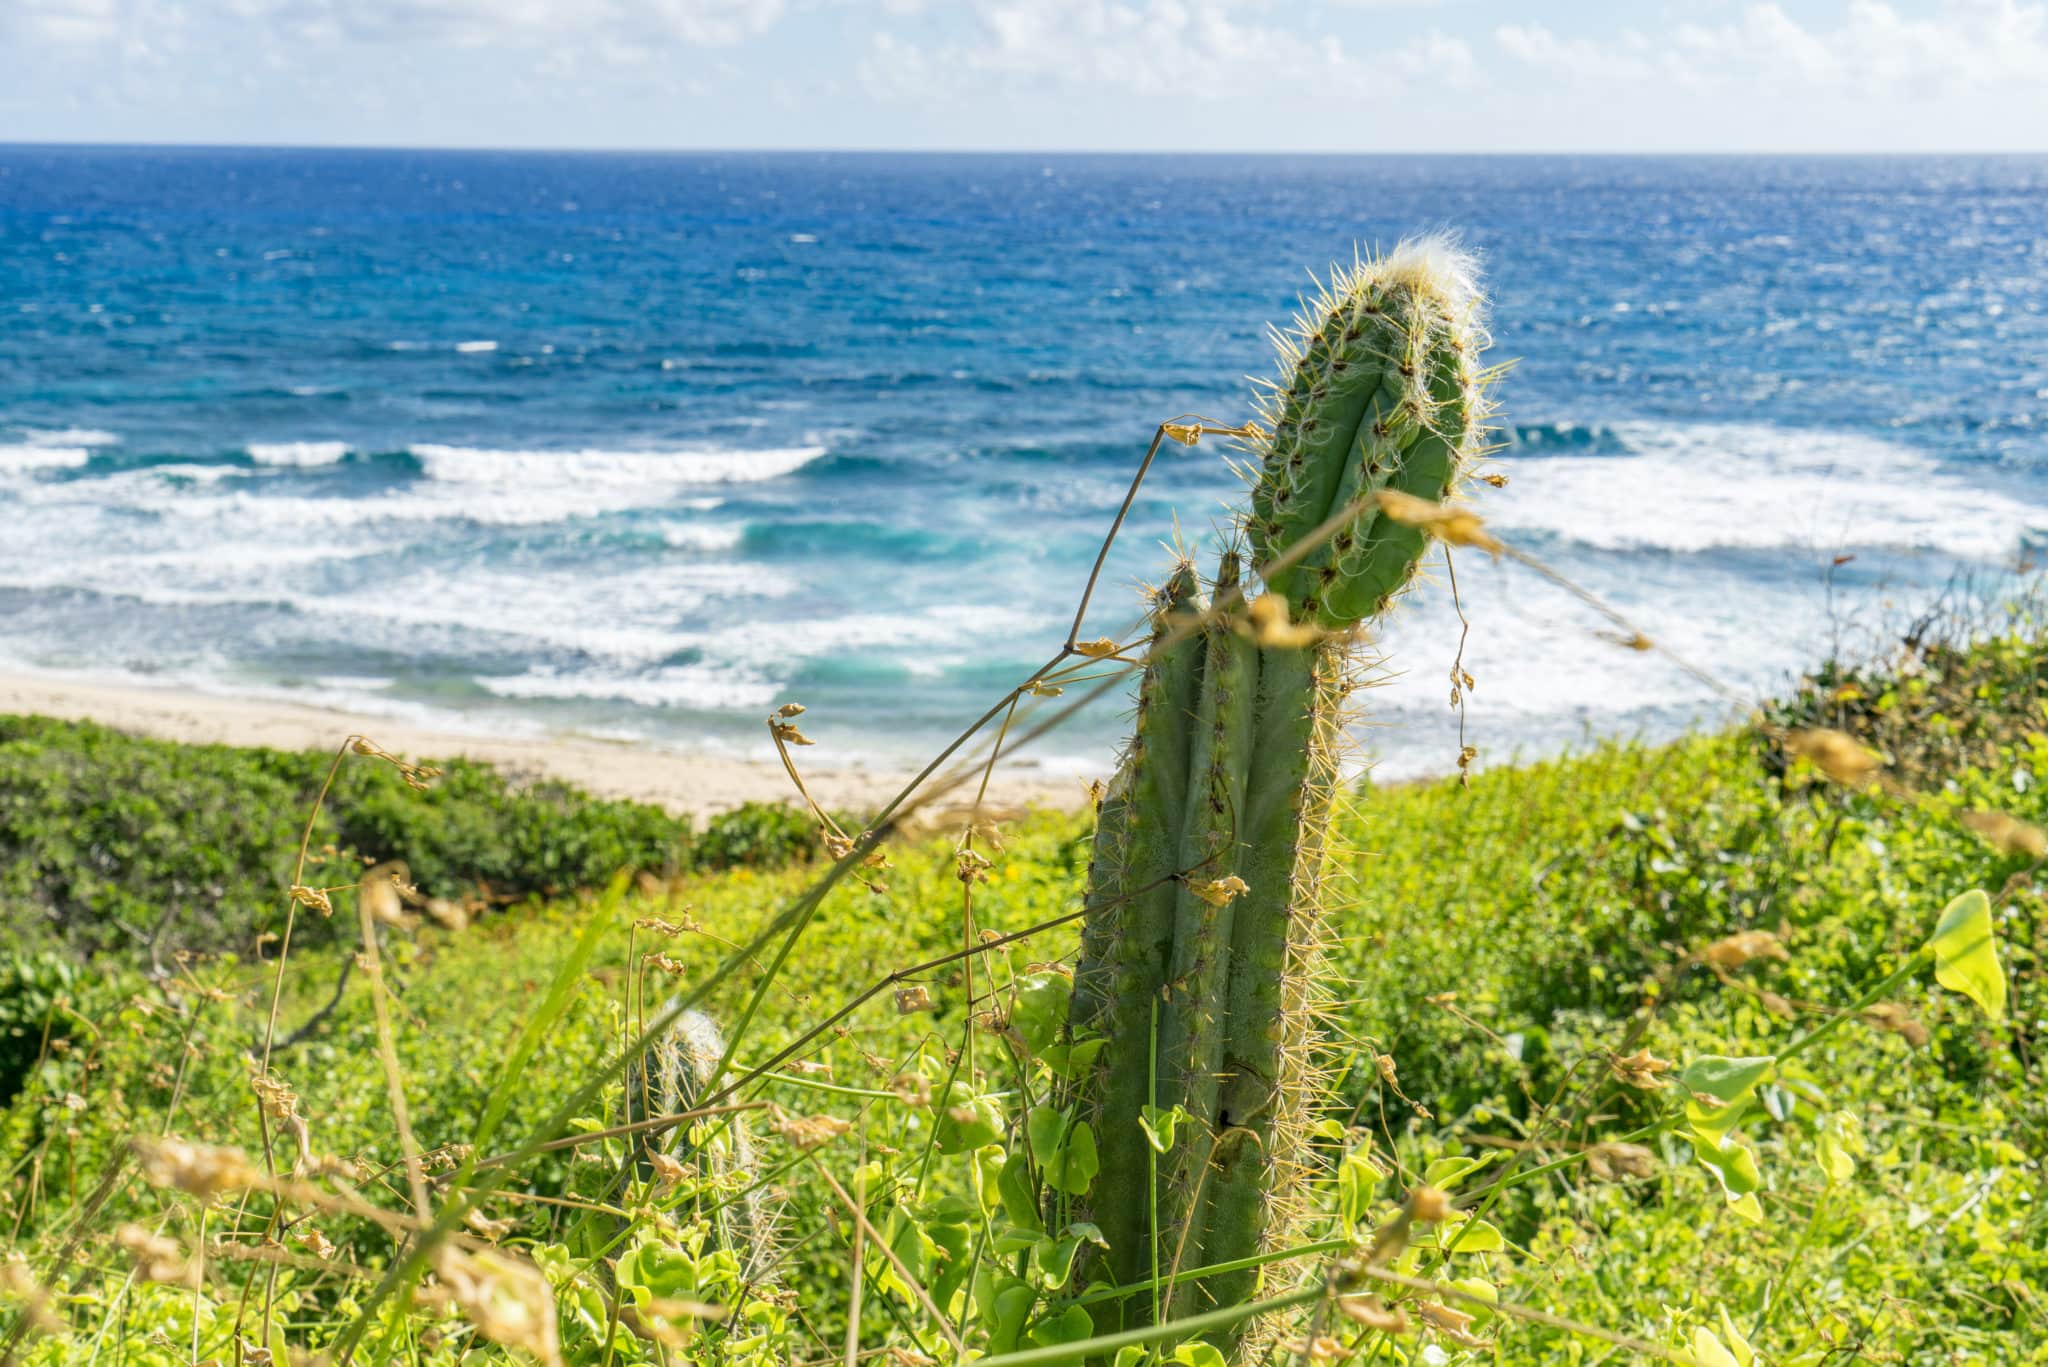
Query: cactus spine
678,1069
1203,992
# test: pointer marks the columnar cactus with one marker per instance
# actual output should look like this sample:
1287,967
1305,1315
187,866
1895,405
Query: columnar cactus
679,1068
1204,905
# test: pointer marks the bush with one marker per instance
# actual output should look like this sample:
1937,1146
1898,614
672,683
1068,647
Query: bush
111,842
757,835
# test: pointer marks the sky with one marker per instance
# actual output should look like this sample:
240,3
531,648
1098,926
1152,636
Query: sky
1168,75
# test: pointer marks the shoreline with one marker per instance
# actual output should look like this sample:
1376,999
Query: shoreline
695,783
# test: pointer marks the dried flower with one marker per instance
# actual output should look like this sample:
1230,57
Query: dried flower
2006,834
18,1282
1268,623
810,1131
504,1296
1839,756
1219,892
1429,1205
316,898
157,1258
1614,1161
914,998
204,1170
484,1226
1641,1071
1895,1019
1744,946
1453,526
1100,648
1368,1311
1452,1324
668,1172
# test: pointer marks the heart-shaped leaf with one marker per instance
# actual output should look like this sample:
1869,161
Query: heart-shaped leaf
1966,953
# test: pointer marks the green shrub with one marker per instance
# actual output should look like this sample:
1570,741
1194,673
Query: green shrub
757,835
114,843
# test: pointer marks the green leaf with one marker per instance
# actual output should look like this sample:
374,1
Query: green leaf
1159,1125
1069,1326
1013,1302
1072,1060
1966,953
1046,1127
1738,1346
1720,1090
1040,1011
1445,1173
1474,1236
1731,1161
1836,1146
1052,1262
1357,1180
965,1121
1020,1202
1078,1162
511,1074
1709,1351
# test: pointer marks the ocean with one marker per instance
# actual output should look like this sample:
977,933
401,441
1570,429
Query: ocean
643,446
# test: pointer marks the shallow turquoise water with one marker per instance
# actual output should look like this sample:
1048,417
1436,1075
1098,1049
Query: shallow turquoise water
645,445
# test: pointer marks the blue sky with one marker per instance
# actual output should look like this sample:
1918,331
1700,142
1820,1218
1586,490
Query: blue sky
1312,75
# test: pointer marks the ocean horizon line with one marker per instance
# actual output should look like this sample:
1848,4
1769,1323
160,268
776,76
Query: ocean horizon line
1075,153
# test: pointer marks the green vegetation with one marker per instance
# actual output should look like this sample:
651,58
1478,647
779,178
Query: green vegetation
1518,961
113,843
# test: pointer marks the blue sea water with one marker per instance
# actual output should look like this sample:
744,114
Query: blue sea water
644,445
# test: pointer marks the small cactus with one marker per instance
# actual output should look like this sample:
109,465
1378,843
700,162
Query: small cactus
1204,906
677,1070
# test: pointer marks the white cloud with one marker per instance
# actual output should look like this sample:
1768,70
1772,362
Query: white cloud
706,23
1193,48
1870,49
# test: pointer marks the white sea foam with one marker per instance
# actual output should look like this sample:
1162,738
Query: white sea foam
69,436
297,452
680,466
1702,487
463,484
703,537
28,455
698,686
481,345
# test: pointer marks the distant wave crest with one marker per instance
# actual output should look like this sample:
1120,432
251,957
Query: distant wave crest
679,466
297,452
1697,487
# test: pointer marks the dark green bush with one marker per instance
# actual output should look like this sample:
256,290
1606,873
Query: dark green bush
757,835
110,842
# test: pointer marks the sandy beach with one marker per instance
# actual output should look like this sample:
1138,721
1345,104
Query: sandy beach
679,780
